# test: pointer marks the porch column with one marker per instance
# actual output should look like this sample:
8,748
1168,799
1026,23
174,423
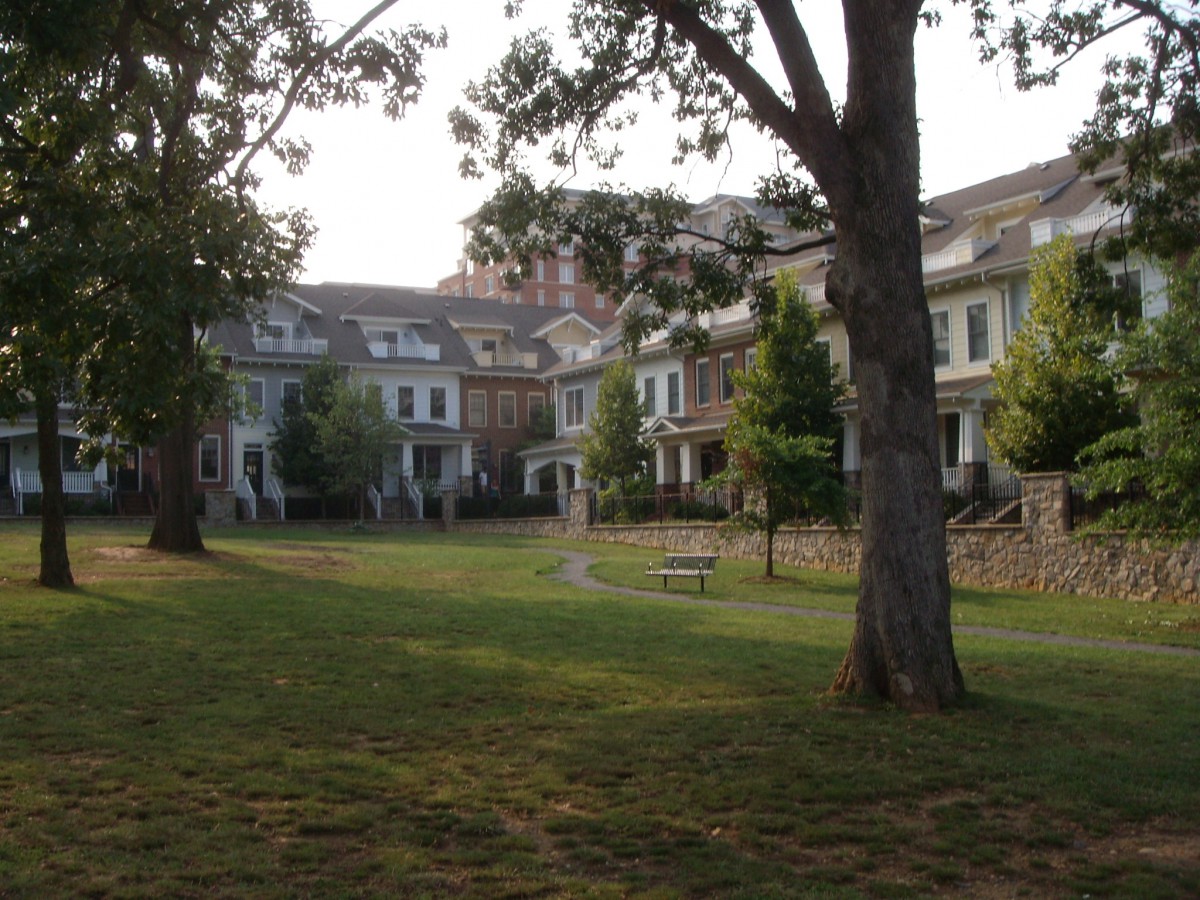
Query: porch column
851,452
972,442
406,461
689,463
662,464
532,482
464,461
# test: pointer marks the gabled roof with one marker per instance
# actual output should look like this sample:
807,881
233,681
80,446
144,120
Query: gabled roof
574,318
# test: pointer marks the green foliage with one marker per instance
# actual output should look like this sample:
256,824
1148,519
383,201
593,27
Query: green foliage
612,449
297,458
353,435
1059,387
781,438
1146,117
1161,451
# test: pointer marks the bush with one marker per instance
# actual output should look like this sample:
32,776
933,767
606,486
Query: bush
471,507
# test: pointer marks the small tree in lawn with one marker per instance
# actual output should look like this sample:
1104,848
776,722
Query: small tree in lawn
613,450
353,437
297,455
780,440
1162,451
1058,386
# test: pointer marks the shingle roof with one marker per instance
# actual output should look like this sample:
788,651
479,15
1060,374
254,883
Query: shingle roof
430,316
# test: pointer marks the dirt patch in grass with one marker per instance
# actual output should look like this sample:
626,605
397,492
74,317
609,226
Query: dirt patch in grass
772,579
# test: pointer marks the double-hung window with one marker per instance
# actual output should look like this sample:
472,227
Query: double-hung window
437,403
477,409
210,457
406,402
940,320
649,388
506,409
979,345
673,405
573,407
703,397
726,363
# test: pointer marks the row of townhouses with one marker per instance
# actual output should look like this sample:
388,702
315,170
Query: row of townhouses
466,368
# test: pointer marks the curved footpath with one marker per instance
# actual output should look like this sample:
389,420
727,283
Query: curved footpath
575,566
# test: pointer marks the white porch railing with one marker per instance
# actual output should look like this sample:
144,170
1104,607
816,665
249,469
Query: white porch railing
417,498
815,293
30,482
246,492
308,346
275,492
375,500
958,254
952,479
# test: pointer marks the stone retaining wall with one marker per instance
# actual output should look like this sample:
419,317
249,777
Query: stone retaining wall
1041,553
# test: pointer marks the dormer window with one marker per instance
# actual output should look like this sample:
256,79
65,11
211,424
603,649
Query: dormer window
383,335
279,331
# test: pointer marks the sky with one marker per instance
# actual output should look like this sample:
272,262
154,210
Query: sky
387,198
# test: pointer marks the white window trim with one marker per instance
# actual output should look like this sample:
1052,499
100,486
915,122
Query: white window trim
529,404
949,331
566,273
470,422
708,381
200,458
721,377
650,396
987,317
283,390
566,300
677,410
569,408
446,403
500,406
413,389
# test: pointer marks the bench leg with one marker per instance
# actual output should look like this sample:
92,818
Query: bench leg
702,584
664,582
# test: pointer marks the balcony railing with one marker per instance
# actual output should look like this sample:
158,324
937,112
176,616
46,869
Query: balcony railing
383,350
305,346
1043,231
815,293
30,482
959,254
486,359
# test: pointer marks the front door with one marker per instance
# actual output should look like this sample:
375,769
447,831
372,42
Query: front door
252,469
129,470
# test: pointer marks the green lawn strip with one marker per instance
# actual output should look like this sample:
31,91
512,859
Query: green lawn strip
1068,614
330,714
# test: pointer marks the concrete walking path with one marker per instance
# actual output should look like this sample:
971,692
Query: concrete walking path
575,566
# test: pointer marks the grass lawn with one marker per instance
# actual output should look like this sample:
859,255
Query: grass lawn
337,714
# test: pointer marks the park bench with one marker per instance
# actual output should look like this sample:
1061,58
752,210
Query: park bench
685,565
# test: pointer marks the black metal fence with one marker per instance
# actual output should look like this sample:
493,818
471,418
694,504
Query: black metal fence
693,506
513,506
984,502
1085,511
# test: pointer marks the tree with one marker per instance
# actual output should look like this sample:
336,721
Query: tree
612,450
781,437
146,115
353,436
297,458
862,165
863,159
1162,451
1060,390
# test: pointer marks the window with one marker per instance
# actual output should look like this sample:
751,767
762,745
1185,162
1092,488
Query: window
599,301
566,273
828,353
566,301
541,270
726,363
252,404
291,394
702,391
751,358
631,253
427,462
477,409
470,290
941,337
382,335
573,408
673,407
541,295
537,402
649,387
567,249
210,457
489,284
979,347
437,403
506,409
470,266
406,402
279,331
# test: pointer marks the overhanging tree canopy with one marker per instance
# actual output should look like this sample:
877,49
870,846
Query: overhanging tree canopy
854,166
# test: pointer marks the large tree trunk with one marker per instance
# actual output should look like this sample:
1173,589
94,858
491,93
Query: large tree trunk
902,647
175,526
55,564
